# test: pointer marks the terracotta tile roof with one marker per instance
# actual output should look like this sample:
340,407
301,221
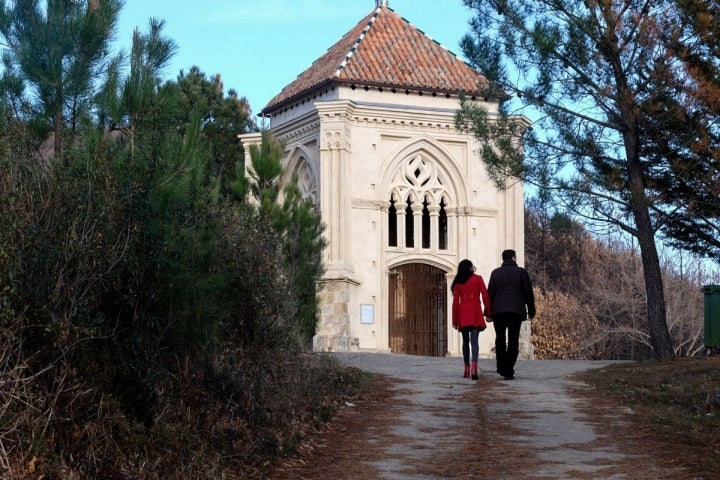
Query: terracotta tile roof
385,50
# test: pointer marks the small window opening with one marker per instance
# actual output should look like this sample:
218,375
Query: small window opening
443,227
425,225
392,224
409,226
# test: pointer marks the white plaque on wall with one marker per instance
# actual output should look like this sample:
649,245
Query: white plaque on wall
367,313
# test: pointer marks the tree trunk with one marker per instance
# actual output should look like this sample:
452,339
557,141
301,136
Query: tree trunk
655,292
59,120
58,131
645,231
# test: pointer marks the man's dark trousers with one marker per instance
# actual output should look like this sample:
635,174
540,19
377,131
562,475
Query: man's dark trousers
506,350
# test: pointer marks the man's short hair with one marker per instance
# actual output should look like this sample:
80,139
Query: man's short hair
508,255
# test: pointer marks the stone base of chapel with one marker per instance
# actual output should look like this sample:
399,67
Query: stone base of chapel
333,330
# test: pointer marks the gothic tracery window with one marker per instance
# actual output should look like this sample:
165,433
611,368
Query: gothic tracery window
306,181
420,188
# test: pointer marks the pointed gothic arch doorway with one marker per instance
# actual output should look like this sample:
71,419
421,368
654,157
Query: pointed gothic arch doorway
418,310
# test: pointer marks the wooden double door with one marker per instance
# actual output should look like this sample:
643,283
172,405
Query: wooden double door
418,310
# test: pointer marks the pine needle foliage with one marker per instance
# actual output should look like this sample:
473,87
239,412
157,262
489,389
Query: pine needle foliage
298,225
615,140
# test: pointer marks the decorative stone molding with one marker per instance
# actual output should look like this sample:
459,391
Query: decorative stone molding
301,132
410,125
336,140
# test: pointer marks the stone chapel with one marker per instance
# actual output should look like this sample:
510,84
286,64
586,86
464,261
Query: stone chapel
369,130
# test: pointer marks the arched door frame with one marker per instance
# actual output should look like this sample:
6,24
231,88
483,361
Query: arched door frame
417,309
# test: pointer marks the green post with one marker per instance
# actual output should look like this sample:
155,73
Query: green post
712,316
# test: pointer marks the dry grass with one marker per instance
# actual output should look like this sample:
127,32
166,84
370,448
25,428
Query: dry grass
670,410
207,426
334,448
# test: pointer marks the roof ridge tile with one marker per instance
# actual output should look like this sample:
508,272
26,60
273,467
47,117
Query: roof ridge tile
359,40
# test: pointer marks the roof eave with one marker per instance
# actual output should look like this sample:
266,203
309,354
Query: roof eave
279,105
308,92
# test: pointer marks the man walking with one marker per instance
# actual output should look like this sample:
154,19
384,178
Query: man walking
513,301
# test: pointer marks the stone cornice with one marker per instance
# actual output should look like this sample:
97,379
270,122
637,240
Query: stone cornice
387,117
304,131
299,128
406,119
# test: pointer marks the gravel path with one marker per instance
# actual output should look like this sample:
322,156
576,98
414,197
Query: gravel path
533,427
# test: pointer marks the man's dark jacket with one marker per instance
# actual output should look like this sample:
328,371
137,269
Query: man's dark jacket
510,290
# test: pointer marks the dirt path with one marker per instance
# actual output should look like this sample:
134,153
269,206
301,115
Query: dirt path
423,421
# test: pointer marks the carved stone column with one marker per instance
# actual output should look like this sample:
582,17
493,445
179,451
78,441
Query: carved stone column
400,226
335,153
338,286
434,227
417,210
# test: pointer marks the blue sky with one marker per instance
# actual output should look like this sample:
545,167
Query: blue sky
260,46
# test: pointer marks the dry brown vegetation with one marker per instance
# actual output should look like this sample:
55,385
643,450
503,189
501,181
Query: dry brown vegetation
591,295
675,407
231,422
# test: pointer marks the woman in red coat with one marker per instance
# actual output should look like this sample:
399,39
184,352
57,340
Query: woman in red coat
468,289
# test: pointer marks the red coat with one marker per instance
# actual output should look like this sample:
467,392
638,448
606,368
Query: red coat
466,307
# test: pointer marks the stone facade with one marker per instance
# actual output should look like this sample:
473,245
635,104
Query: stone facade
371,158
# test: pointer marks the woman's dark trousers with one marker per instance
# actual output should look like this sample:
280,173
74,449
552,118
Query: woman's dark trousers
470,339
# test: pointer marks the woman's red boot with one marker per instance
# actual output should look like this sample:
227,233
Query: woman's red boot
474,372
467,371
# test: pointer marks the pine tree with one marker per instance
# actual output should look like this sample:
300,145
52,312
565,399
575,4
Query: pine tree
602,80
692,142
57,51
224,118
298,226
266,163
303,245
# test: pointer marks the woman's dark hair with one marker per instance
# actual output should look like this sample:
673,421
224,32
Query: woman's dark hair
465,271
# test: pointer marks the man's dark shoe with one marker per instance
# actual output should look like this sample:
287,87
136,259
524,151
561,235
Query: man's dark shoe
508,377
